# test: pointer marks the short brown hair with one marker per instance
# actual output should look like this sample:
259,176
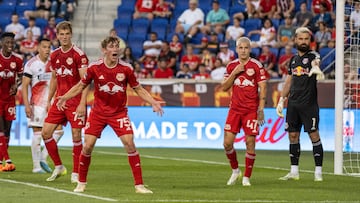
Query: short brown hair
64,25
109,40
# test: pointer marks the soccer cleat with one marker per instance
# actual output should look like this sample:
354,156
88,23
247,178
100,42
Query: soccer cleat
8,167
246,181
57,173
318,177
80,187
45,166
142,189
233,178
38,170
290,176
1,167
74,178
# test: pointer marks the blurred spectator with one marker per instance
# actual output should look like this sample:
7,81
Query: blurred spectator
303,17
331,43
323,16
355,23
286,33
252,8
191,59
349,73
216,20
284,61
169,56
122,43
144,9
322,36
149,63
226,55
49,31
28,46
152,47
163,70
207,59
284,8
36,31
184,72
268,60
190,21
42,10
163,9
203,44
62,9
15,27
202,73
213,43
316,6
267,8
218,71
140,72
175,45
267,35
128,56
233,32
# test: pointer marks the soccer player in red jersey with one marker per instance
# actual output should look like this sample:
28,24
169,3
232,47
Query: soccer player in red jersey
11,69
246,76
68,64
111,76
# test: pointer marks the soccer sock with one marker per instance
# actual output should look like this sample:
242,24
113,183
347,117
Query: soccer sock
36,149
231,155
77,147
84,163
249,164
294,153
318,153
56,135
134,161
7,138
3,147
53,151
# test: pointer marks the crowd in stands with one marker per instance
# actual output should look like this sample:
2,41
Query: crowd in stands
197,34
31,20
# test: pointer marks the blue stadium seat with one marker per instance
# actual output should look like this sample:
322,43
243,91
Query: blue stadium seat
118,23
282,51
136,47
256,51
275,51
236,9
41,23
252,24
136,37
4,22
122,32
205,4
20,8
124,13
141,22
255,37
127,5
276,23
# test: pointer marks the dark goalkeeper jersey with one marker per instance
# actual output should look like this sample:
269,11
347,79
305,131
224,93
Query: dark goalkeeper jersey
303,88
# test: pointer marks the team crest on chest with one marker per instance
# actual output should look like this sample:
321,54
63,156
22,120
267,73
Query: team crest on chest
250,72
12,65
120,77
305,61
69,61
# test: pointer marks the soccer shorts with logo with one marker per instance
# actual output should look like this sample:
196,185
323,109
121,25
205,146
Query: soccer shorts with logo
246,121
8,110
298,115
56,116
39,115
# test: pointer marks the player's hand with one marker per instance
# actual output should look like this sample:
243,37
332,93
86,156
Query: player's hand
28,111
261,117
315,69
280,107
61,103
239,68
13,89
157,107
80,112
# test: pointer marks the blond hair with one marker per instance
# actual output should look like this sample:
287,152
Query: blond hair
243,40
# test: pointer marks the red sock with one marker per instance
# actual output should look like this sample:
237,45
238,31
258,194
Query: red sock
77,147
134,161
3,148
7,138
84,163
249,163
231,155
53,151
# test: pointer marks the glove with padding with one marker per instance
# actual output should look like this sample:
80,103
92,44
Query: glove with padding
316,70
280,107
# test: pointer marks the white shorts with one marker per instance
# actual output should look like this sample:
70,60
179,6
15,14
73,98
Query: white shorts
39,115
256,4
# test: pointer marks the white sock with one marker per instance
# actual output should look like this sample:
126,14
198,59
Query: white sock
318,169
36,149
236,170
56,135
294,169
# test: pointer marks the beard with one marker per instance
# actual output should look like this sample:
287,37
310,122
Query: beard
303,47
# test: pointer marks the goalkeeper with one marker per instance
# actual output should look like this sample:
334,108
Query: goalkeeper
300,90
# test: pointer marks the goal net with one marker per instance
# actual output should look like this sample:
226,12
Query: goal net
347,106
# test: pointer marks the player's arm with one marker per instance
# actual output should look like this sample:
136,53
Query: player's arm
229,81
52,87
25,94
262,100
145,95
283,95
81,109
75,90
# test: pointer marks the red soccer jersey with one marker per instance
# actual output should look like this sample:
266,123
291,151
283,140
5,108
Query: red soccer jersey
245,96
267,5
9,68
110,86
166,73
146,6
67,65
190,60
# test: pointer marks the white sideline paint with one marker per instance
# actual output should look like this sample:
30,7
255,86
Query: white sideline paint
58,190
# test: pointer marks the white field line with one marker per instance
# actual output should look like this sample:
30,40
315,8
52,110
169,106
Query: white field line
58,190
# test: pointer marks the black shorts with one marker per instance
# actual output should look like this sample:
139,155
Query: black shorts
298,115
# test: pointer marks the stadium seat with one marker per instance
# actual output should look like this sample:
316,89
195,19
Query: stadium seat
252,24
125,13
236,8
255,37
275,51
256,51
122,32
121,23
140,25
282,51
41,23
127,5
4,22
20,8
276,23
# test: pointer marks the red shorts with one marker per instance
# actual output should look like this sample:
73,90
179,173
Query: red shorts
8,110
56,116
246,121
120,123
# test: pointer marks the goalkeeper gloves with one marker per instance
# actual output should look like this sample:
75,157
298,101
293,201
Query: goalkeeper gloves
280,107
316,70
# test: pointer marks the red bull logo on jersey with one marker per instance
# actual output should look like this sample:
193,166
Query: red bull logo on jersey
6,74
243,82
12,65
299,71
63,71
250,72
120,76
111,88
